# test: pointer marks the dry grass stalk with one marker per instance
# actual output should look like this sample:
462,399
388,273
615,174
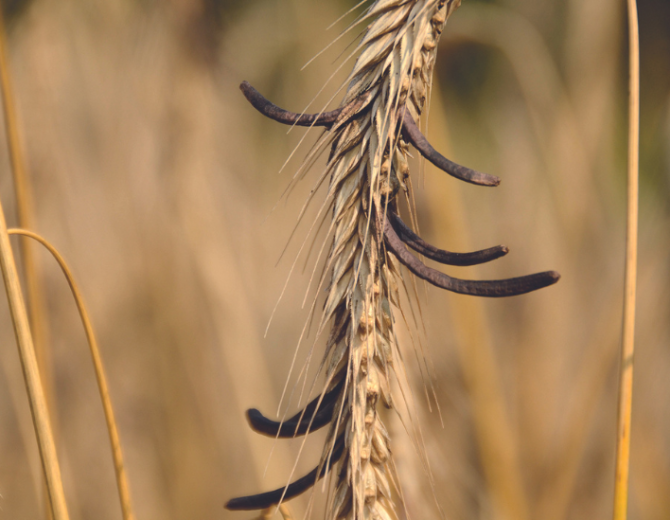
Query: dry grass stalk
628,334
36,397
57,506
24,210
24,206
112,429
34,379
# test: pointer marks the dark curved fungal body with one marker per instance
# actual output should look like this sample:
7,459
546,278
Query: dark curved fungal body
313,417
411,132
489,288
268,109
440,255
271,498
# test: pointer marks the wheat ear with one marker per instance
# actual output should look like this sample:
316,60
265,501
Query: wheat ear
369,137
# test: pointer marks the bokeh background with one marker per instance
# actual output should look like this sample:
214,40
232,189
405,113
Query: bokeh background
160,185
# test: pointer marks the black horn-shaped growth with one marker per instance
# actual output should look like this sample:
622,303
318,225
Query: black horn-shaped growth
267,108
440,255
265,500
490,288
413,135
315,415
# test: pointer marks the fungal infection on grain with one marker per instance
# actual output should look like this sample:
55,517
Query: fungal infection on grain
369,136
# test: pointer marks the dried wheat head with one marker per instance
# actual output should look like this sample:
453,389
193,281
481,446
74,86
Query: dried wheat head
369,137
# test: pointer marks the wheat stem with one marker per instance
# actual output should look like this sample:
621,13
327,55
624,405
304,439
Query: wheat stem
24,214
628,334
36,397
35,381
24,210
117,453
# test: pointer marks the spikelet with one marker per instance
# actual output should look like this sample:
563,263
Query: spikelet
369,137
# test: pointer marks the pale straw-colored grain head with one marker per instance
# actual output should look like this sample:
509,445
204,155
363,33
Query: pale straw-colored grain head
367,169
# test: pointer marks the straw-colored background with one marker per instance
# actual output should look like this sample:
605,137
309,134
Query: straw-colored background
157,181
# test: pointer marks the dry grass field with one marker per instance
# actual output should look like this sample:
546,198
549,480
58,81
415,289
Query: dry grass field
159,184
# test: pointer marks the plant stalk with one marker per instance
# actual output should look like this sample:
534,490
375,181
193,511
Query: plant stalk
36,397
24,214
628,343
103,387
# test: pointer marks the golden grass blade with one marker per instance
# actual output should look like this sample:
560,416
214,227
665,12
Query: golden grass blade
117,453
628,334
26,435
38,405
24,206
24,210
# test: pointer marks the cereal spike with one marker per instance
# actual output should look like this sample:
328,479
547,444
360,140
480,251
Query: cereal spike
367,165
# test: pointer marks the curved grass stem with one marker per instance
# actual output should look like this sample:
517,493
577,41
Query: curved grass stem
117,454
31,374
24,214
28,342
628,334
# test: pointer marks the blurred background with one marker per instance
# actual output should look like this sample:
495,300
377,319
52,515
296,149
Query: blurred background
160,185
